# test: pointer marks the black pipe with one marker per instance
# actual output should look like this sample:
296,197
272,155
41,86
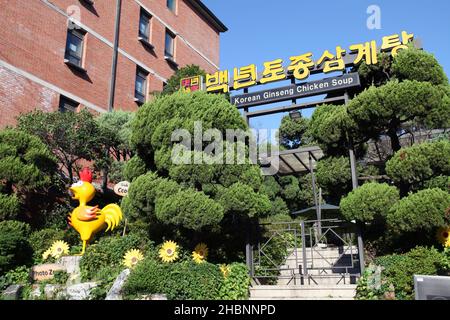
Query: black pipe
112,87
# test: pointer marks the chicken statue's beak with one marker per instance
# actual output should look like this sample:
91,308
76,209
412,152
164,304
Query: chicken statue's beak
72,193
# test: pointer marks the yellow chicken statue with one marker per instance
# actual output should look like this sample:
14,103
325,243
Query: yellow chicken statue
87,220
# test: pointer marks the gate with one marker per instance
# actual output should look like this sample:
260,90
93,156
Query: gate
306,253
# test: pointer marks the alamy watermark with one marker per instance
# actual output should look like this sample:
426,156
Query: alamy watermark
74,13
374,20
236,147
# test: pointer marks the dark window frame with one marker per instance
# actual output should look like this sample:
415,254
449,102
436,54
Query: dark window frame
172,5
144,15
73,57
172,36
141,96
67,104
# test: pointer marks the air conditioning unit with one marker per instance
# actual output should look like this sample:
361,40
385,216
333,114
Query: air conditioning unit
432,288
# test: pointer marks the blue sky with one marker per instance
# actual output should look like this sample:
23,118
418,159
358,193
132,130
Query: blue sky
263,30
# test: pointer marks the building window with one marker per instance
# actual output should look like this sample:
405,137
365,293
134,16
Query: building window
140,92
144,25
170,45
74,48
67,105
171,4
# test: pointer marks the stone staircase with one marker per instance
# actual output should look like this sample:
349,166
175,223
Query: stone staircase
331,275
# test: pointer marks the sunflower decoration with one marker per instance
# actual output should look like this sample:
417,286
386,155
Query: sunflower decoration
59,248
132,258
47,254
168,252
225,270
200,253
444,236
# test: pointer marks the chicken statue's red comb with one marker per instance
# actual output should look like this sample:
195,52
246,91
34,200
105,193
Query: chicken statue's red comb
86,175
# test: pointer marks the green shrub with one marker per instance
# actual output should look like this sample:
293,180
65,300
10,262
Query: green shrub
424,210
9,207
189,209
109,252
370,286
14,246
179,281
440,182
104,278
19,275
41,240
371,202
415,165
399,270
235,285
133,168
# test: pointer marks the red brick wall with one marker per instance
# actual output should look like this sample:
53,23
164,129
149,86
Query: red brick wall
33,39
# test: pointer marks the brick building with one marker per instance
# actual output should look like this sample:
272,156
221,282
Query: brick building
63,54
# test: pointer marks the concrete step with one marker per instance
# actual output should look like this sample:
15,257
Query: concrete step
303,292
308,292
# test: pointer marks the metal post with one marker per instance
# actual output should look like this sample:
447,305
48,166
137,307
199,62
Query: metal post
313,178
355,186
305,262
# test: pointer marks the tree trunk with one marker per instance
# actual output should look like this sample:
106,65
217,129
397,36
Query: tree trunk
395,141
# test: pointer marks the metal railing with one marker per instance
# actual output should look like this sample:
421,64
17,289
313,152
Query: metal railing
305,261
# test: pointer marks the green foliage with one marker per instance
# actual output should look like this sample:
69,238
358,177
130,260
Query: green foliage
415,64
384,109
115,131
179,281
143,194
293,132
439,182
14,247
192,196
330,126
189,209
70,136
334,176
19,275
412,167
134,168
399,270
104,278
173,84
9,207
26,167
240,198
370,286
369,203
422,211
376,74
108,252
235,285
60,277
42,240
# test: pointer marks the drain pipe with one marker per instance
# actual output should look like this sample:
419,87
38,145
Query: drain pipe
112,86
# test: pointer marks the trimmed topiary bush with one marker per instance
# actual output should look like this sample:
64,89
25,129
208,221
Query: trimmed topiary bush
369,203
179,281
14,247
424,210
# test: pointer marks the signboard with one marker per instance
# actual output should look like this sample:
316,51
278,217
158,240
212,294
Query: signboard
192,84
295,91
121,189
45,271
432,288
300,67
